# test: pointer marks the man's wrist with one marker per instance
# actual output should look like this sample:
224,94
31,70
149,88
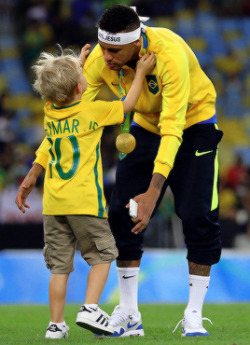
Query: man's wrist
156,185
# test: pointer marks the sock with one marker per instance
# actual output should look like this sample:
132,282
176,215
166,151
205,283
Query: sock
128,286
60,325
198,286
93,306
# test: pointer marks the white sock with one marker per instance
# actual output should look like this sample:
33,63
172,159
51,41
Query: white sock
59,324
93,306
128,286
198,286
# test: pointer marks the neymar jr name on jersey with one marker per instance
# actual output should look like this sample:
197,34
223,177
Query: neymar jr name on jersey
62,126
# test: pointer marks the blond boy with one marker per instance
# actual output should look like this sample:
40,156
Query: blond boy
73,200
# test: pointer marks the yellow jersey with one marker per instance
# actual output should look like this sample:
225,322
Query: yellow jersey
70,154
176,95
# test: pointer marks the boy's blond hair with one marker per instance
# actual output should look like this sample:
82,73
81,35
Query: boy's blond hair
57,76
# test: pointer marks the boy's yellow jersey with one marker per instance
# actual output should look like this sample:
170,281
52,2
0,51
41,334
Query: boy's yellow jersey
174,97
74,178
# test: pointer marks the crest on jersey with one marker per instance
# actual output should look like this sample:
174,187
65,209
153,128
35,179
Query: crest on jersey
152,82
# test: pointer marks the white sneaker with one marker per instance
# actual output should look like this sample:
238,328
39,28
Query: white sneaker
54,332
192,325
95,320
125,324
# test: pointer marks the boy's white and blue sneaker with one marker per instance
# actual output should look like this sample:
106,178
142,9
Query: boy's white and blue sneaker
192,325
125,324
55,332
95,320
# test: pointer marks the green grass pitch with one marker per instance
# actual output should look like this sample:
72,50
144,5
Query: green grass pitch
25,324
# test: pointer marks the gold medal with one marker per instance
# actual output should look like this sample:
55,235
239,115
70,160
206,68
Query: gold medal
125,142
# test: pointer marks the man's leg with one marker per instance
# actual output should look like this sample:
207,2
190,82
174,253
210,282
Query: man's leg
128,272
126,318
199,276
194,182
133,177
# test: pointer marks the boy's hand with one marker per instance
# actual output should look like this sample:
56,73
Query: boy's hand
24,191
84,52
147,63
27,185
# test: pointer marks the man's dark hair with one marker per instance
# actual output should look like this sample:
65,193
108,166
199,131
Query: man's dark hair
119,18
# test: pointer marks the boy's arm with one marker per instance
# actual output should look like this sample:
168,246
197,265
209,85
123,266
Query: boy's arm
91,70
144,66
27,185
42,154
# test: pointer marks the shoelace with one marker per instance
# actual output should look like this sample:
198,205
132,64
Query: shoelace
118,315
202,319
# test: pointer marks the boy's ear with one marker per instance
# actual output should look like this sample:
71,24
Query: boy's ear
78,88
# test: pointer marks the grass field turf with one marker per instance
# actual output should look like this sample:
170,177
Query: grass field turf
27,325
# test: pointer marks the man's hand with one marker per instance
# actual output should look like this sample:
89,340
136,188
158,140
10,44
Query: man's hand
146,203
27,185
84,52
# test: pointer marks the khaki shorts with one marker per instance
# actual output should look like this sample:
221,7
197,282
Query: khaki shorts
96,242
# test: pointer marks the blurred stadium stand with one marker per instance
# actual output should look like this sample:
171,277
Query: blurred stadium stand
219,34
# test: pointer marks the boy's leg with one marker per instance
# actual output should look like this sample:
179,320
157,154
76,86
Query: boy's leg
97,279
58,253
57,295
90,316
98,248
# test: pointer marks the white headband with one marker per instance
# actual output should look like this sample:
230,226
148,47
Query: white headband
120,38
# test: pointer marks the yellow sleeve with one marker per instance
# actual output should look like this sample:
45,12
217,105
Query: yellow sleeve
42,154
91,71
109,113
175,94
166,155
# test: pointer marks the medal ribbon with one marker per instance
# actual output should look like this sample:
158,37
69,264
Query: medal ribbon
122,89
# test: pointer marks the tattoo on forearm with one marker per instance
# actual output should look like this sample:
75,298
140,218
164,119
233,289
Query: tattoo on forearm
199,270
158,181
